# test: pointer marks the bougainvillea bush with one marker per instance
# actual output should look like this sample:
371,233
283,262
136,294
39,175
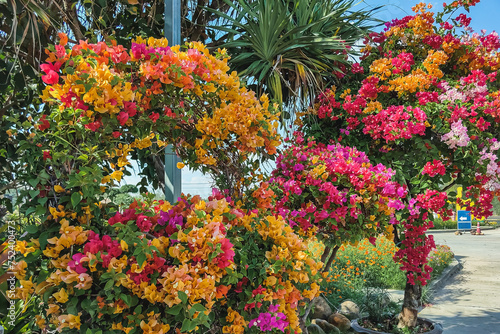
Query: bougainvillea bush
424,101
160,267
154,267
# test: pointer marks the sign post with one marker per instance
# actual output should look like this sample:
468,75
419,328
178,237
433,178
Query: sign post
464,221
173,34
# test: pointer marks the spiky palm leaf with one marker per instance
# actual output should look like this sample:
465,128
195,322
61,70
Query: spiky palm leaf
290,48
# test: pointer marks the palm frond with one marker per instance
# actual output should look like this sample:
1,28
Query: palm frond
288,47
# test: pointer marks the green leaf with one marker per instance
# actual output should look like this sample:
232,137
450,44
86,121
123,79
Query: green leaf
182,296
30,210
31,229
109,284
200,214
86,304
33,182
127,299
42,239
83,157
140,259
197,308
174,310
34,193
40,210
188,325
75,199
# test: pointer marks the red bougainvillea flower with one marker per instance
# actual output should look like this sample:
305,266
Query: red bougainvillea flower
433,168
51,77
46,155
44,123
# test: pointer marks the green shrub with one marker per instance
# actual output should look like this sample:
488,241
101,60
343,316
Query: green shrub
439,259
360,270
439,224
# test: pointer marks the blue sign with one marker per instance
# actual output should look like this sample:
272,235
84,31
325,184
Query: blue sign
464,220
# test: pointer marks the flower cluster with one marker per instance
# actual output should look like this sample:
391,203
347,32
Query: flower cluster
457,137
434,168
268,321
395,122
335,190
416,246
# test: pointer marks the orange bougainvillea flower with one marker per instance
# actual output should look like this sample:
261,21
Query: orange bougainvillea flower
63,38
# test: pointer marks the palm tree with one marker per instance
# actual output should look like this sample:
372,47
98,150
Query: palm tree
291,48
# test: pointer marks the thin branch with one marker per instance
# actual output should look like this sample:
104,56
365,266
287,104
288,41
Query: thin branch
451,184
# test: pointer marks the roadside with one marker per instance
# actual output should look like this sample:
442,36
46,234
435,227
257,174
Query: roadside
469,301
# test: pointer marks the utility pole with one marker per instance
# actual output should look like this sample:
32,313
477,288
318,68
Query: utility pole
173,175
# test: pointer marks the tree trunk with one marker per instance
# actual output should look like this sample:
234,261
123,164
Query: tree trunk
328,264
327,258
411,304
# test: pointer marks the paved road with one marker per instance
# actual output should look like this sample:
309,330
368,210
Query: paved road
470,302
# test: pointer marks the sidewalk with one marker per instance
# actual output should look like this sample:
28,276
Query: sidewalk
469,302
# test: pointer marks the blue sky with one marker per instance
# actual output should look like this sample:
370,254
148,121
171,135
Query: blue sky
484,16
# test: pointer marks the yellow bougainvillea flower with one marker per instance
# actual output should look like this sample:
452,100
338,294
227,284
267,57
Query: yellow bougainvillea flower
25,289
180,165
117,175
53,309
61,296
56,213
21,247
69,321
19,269
58,189
40,322
120,327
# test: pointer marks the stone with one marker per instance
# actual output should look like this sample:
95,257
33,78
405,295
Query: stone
340,321
320,309
327,327
349,309
315,329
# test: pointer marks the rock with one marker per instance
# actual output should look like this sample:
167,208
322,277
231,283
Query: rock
349,309
315,329
340,321
320,309
327,327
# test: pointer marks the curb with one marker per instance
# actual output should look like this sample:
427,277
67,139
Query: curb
451,230
454,267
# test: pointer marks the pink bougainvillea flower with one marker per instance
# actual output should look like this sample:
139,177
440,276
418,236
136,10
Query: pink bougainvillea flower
122,117
76,263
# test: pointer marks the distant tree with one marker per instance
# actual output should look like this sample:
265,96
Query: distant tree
123,196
